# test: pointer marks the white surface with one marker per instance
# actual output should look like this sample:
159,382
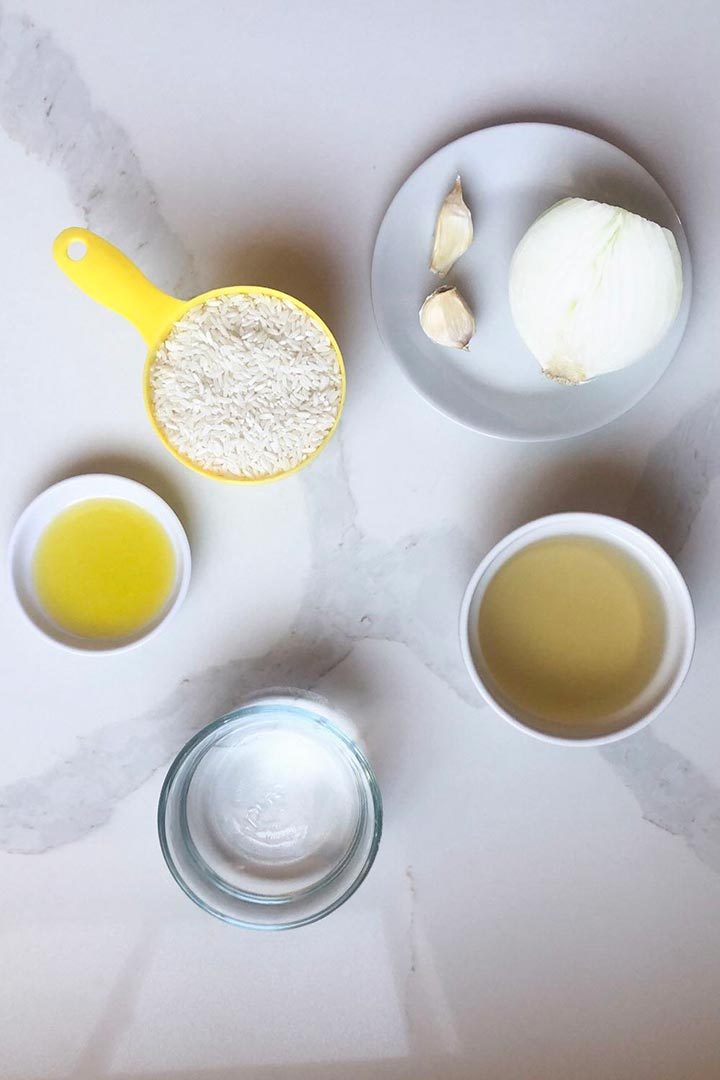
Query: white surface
43,510
673,592
510,175
534,913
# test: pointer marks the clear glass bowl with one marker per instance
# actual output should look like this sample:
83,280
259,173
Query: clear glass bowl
271,816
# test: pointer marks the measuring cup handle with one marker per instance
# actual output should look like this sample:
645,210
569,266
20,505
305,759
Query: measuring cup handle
110,278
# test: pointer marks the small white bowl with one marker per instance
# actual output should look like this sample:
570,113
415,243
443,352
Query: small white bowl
680,621
45,508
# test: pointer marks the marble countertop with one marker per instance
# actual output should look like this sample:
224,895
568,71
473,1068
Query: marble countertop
535,912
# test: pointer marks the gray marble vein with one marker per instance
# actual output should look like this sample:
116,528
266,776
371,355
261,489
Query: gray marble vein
672,793
677,477
356,589
407,591
412,934
47,109
118,1012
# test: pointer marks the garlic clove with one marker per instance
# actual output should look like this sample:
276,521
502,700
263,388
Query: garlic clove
446,318
453,231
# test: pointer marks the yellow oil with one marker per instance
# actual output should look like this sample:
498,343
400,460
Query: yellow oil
572,629
104,569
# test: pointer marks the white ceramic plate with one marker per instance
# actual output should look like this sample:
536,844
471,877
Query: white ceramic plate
510,174
37,516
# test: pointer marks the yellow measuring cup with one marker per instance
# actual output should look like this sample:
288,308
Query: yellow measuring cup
108,276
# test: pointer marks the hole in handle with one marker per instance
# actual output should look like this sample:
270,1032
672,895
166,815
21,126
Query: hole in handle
76,250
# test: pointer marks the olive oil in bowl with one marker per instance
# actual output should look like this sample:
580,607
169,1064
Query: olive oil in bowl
572,630
104,569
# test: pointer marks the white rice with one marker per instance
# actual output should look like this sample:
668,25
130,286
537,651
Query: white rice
245,385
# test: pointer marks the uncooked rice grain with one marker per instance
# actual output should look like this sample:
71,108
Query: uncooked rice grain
245,385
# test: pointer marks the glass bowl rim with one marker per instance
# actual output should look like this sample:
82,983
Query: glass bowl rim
306,710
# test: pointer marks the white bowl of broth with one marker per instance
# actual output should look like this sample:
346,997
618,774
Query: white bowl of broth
577,628
99,563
